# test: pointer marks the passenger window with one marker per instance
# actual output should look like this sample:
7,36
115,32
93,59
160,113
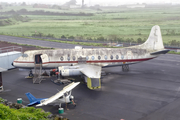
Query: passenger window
111,57
25,55
117,57
105,57
74,58
62,58
122,56
99,57
68,58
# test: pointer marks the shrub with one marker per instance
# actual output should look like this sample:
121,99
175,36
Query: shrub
38,34
100,38
139,40
71,37
50,35
120,39
64,37
175,43
22,114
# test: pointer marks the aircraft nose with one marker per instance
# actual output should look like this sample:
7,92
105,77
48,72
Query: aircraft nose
12,64
71,98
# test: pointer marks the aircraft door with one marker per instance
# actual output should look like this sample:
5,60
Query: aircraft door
45,59
81,60
38,59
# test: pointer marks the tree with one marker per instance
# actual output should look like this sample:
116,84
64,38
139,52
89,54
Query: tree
55,7
139,40
35,5
23,10
112,37
23,4
1,7
174,43
71,2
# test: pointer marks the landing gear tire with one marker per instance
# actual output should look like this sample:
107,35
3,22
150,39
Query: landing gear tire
31,74
125,68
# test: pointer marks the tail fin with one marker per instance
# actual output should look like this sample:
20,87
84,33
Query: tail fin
154,42
31,97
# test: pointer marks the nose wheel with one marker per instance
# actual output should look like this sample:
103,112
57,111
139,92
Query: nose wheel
125,68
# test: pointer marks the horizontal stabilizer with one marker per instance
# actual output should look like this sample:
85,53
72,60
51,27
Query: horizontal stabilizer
32,103
160,52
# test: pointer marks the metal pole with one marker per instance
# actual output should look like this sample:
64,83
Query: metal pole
1,85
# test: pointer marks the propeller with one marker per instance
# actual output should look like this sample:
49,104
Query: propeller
71,97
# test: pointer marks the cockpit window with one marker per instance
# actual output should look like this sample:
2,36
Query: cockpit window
25,55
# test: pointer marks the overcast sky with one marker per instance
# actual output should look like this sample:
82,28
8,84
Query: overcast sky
93,1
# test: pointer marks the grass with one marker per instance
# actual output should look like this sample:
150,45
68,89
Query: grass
173,52
123,23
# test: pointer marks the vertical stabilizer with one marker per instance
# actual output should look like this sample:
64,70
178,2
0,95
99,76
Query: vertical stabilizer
31,97
154,42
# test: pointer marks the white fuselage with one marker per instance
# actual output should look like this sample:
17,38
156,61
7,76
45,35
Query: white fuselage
70,57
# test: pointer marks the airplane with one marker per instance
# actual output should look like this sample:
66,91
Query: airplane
63,96
89,62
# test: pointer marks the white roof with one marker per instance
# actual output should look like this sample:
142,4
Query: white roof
9,53
2,69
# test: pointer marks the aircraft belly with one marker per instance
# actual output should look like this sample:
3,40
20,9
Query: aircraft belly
24,65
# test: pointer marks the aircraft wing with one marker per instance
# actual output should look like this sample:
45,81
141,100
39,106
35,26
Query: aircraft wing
91,71
59,94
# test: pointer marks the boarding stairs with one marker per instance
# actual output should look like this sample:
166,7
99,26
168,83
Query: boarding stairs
37,74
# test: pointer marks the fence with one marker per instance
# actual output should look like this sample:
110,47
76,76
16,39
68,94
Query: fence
10,49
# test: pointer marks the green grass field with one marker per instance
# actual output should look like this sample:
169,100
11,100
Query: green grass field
121,23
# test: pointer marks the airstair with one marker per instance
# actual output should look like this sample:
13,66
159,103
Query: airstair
37,74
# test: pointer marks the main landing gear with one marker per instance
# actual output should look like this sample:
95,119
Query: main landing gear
125,68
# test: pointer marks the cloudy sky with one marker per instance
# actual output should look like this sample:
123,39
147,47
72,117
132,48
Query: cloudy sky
93,1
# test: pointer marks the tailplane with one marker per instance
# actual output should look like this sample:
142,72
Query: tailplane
31,97
154,42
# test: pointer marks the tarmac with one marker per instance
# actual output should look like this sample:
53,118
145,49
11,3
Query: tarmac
149,91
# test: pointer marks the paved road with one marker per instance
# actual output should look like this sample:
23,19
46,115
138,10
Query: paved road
38,42
149,91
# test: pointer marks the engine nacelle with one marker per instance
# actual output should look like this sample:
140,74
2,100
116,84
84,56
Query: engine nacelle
70,72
